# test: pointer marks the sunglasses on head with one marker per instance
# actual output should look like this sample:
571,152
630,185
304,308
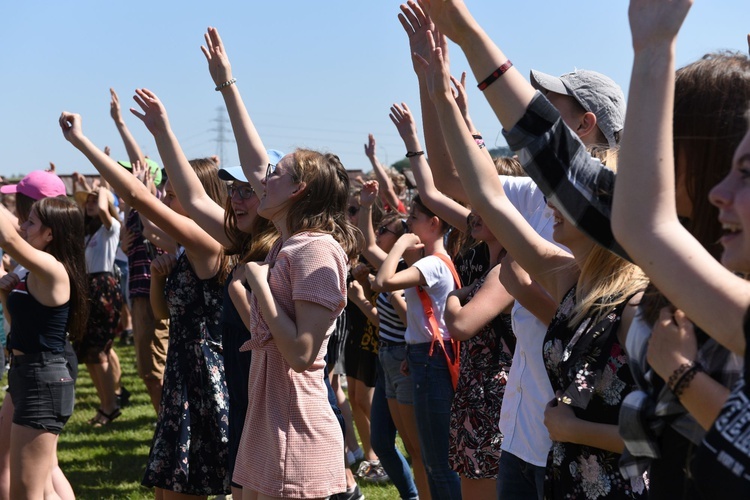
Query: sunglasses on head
244,192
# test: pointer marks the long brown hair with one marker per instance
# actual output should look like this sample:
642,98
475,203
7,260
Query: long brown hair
710,104
322,208
250,246
216,189
65,220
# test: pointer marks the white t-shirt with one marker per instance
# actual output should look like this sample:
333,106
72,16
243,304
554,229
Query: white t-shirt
101,248
440,283
528,389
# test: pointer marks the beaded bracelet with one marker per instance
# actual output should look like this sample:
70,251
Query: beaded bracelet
479,140
225,84
411,154
495,75
678,373
685,380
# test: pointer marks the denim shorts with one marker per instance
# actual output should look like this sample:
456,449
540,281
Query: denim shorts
397,385
43,391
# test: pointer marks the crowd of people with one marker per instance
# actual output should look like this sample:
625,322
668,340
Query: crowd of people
529,327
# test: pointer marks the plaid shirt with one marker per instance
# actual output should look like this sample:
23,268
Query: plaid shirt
646,411
575,182
581,188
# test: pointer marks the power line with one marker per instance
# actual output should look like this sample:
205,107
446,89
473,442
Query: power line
221,133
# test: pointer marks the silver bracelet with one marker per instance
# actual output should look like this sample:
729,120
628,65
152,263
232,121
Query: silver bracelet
225,84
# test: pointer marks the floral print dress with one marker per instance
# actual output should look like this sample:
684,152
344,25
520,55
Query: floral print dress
475,436
589,367
190,446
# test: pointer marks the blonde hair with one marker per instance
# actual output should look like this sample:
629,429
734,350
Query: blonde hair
605,282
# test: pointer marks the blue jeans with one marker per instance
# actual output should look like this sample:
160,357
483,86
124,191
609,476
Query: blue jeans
433,395
383,441
518,479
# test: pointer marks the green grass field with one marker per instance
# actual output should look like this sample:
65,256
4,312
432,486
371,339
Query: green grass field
108,462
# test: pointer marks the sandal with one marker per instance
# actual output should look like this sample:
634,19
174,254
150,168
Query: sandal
101,418
123,399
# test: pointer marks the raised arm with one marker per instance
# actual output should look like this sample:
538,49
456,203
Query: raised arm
644,217
203,249
45,269
418,27
371,251
442,206
540,258
252,153
509,94
387,279
102,205
199,206
131,146
387,193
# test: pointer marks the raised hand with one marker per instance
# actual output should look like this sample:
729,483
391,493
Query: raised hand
417,25
369,193
216,56
154,114
404,121
72,130
437,75
370,146
51,168
114,106
139,171
656,22
451,17
461,97
162,265
107,151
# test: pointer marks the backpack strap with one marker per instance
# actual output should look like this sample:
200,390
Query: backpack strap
427,305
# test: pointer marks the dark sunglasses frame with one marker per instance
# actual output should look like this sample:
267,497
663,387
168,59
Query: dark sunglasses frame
242,191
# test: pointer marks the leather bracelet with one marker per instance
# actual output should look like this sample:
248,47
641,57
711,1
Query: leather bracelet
411,154
225,84
495,75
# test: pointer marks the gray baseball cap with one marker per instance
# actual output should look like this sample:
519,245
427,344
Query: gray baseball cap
597,94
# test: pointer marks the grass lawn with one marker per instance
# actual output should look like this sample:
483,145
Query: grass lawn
108,463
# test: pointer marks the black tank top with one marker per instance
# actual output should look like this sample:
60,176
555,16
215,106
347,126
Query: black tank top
35,327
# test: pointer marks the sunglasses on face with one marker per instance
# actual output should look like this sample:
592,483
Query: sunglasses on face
270,170
244,192
471,219
384,229
352,211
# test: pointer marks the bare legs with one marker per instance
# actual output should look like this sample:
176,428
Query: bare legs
360,397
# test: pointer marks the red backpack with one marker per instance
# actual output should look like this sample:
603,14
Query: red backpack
453,365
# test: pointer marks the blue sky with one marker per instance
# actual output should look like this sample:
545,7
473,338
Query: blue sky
314,74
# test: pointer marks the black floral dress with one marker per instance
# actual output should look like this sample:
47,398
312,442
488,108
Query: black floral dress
190,447
475,436
589,367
